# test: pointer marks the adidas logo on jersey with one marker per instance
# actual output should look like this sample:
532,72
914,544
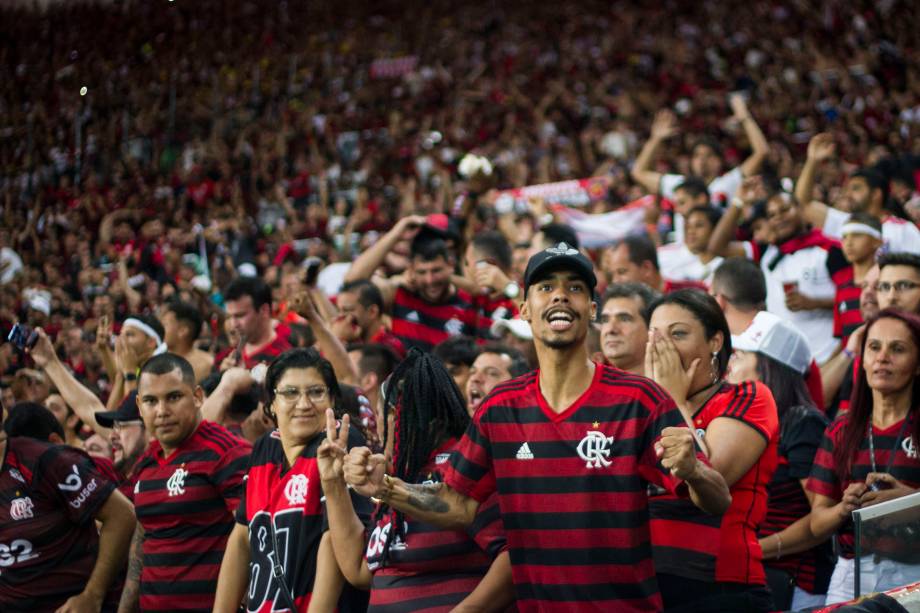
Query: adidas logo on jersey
524,452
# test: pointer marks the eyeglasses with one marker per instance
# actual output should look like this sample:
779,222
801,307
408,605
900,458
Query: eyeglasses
315,394
898,286
118,426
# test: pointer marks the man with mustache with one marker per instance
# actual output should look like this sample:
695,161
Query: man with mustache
569,450
495,364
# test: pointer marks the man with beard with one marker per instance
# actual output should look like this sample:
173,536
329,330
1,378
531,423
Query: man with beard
129,438
569,450
425,306
866,191
495,364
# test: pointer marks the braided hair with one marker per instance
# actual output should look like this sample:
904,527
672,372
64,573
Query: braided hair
429,410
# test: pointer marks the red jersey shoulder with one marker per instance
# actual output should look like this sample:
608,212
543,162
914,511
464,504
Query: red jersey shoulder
219,439
620,381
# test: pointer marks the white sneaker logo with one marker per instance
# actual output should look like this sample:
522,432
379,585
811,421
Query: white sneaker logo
524,453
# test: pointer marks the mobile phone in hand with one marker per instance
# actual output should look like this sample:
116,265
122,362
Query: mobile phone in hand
23,336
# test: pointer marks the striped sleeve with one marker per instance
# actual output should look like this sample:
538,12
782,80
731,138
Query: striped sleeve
663,413
753,404
487,528
470,471
229,472
823,479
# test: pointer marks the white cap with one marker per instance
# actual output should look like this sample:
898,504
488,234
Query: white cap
247,269
517,327
771,336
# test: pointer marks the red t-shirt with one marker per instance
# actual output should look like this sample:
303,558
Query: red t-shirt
688,542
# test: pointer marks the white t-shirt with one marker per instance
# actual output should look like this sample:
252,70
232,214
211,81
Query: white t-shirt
677,263
808,268
898,235
721,191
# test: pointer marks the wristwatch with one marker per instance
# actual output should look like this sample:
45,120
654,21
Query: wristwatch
512,290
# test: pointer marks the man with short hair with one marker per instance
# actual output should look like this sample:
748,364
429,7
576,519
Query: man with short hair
360,318
496,363
634,259
899,282
740,289
248,302
189,483
866,191
487,269
569,450
53,556
624,321
374,363
426,307
458,355
182,325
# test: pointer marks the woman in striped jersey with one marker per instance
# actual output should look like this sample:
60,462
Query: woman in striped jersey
869,454
409,565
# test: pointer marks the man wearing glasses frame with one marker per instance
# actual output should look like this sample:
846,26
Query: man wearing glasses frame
899,282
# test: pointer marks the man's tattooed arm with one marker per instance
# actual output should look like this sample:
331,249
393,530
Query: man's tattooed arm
434,503
131,592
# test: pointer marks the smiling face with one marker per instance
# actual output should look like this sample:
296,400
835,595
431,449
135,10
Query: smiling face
890,356
784,218
559,310
487,371
432,278
170,407
300,418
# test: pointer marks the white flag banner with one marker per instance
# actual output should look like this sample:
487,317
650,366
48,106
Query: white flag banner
604,229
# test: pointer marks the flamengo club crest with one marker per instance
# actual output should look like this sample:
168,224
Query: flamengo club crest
296,489
21,508
594,449
176,483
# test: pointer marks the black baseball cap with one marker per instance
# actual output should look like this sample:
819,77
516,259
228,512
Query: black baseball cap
126,411
559,257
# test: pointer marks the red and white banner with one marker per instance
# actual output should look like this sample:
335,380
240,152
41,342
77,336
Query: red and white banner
603,229
388,68
577,192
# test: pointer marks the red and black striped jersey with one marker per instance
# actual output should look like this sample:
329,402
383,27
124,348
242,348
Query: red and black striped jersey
690,543
801,429
826,480
185,503
290,500
422,324
49,496
847,316
268,353
429,568
572,488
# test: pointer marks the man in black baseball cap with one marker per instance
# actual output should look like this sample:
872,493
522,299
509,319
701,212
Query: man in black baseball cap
128,435
559,257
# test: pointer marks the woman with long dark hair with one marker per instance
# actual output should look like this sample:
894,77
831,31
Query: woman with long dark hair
798,564
705,562
869,454
281,518
409,565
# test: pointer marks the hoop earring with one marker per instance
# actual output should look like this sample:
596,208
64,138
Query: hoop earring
714,366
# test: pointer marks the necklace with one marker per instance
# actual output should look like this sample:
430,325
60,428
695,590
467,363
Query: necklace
894,450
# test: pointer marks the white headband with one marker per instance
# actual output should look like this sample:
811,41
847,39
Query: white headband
853,227
146,329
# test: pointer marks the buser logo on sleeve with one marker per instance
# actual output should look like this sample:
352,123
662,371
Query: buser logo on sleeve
73,482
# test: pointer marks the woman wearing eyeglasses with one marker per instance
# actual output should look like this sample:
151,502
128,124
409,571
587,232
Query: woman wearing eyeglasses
409,565
279,555
870,453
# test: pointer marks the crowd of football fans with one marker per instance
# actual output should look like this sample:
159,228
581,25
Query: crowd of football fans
264,294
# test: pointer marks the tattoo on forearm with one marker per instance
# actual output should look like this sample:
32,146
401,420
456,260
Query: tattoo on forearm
136,561
425,498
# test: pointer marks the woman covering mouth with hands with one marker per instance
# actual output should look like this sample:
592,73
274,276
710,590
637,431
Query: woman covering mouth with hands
869,454
711,562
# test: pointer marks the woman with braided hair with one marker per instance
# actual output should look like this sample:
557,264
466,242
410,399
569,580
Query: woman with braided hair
409,565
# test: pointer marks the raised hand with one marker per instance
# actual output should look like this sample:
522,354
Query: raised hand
332,451
739,107
43,351
103,333
664,125
821,147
